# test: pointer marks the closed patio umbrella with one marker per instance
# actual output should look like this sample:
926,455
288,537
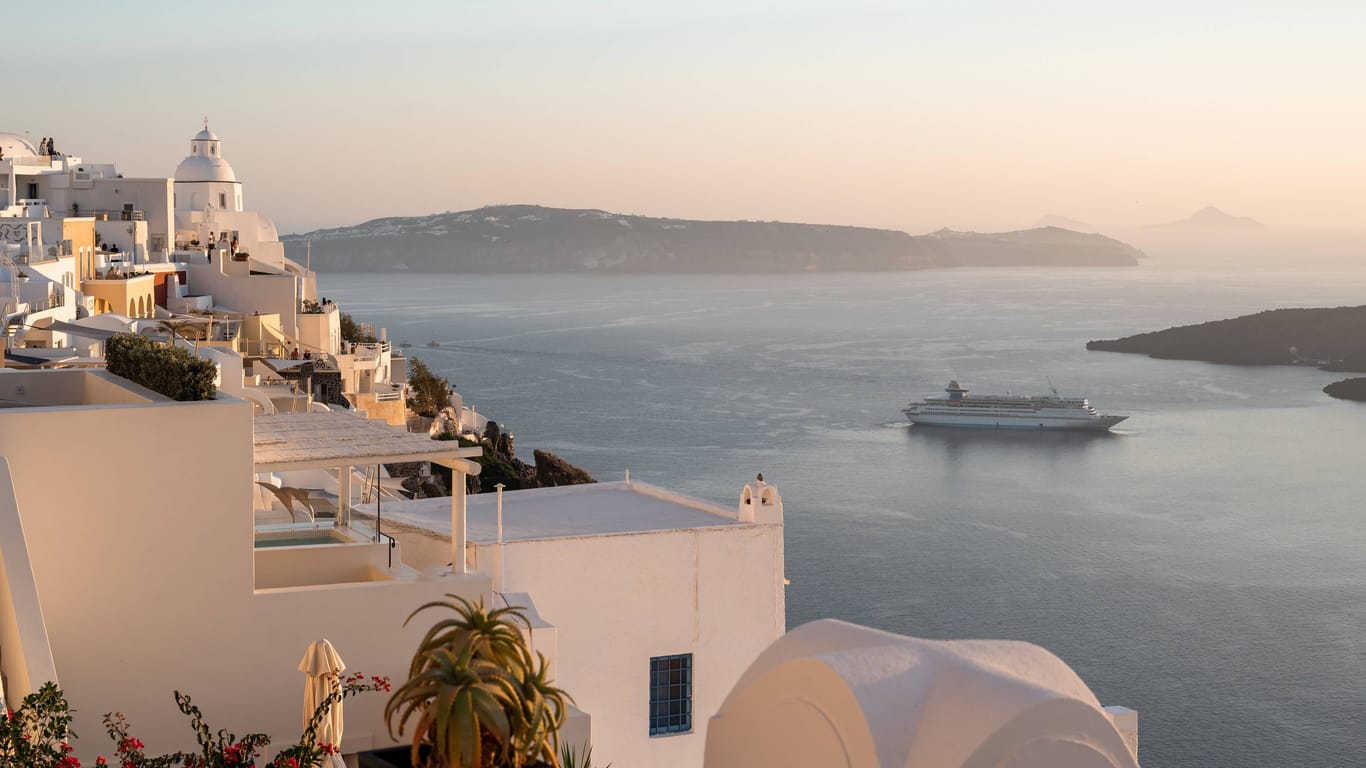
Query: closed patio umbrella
322,669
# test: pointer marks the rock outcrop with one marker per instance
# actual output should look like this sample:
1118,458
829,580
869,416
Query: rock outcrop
446,425
1348,389
551,470
1327,338
500,464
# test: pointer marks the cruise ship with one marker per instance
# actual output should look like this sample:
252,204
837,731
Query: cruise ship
1053,411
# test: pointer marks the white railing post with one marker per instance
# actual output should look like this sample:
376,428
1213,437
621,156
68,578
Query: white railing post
458,533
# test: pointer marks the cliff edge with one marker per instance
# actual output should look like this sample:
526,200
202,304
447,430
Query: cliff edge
1328,338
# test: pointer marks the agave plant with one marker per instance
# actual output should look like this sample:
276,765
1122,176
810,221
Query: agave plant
492,635
570,758
543,710
475,695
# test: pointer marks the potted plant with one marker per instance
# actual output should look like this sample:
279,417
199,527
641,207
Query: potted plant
475,696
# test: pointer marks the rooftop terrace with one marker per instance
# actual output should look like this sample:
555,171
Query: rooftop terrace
287,441
569,511
70,388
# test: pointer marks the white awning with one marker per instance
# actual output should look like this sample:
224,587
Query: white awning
84,331
290,441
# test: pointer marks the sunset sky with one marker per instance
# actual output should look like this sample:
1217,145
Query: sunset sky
913,115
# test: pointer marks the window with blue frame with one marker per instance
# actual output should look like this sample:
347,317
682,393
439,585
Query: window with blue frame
670,694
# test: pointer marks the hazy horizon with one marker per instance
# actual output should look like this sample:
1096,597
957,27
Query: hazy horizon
911,116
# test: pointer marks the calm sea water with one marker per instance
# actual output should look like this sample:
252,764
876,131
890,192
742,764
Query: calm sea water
1204,564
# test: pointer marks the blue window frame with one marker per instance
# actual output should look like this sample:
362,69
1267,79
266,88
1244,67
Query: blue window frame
670,694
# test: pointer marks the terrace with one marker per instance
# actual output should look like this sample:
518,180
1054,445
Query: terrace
308,529
70,389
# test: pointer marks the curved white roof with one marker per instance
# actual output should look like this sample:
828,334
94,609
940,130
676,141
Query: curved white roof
831,693
204,168
205,162
16,146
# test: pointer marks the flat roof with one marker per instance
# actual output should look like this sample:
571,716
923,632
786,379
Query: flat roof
567,511
288,441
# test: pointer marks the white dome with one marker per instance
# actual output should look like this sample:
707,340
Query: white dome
206,135
16,146
835,694
204,168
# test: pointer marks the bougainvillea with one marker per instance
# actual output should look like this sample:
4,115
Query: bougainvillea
36,735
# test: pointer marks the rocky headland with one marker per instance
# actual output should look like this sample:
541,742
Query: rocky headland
531,238
1333,339
499,464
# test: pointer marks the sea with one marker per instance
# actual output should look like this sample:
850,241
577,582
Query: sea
1204,564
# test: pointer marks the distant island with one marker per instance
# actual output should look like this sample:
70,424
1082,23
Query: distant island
1212,219
531,238
1330,339
1063,222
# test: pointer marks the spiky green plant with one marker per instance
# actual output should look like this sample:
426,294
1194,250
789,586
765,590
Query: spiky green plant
543,709
475,695
572,759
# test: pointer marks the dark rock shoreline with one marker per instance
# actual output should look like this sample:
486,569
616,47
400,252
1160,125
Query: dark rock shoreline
1348,389
1332,339
498,464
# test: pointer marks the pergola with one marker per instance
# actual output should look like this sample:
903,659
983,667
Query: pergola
286,442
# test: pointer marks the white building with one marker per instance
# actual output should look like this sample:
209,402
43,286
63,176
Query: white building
132,564
661,601
204,181
79,239
141,551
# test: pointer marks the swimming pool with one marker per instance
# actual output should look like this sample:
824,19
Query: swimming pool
301,538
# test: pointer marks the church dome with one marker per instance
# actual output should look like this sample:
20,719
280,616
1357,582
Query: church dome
204,168
205,161
15,145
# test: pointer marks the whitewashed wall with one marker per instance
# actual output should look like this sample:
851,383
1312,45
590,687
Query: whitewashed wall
618,600
145,576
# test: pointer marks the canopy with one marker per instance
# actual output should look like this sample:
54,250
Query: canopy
84,331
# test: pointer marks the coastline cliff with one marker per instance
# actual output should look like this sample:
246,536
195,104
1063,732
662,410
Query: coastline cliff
1331,339
530,238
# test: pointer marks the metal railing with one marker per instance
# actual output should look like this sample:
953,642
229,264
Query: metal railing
110,214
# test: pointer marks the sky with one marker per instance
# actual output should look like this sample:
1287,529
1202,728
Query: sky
910,115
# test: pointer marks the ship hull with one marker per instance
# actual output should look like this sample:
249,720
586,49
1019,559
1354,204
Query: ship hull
988,421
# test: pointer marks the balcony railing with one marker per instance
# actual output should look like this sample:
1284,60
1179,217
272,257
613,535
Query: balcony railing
110,214
368,352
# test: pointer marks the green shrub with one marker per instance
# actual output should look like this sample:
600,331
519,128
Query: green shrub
170,371
431,393
352,331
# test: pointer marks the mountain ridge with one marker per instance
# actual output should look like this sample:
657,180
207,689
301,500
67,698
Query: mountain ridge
1210,218
531,238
